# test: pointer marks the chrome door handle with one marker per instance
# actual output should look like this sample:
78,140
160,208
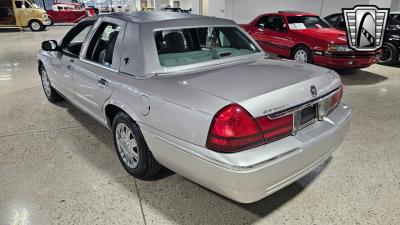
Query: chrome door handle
102,81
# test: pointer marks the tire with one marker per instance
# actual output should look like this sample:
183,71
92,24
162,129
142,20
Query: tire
36,25
51,22
51,94
389,55
144,166
302,54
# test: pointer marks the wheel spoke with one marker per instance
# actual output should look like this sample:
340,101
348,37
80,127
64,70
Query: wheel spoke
127,145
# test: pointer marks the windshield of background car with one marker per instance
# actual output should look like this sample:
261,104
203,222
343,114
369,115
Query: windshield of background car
394,21
177,47
306,22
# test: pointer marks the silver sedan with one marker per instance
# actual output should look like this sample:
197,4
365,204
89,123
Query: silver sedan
197,95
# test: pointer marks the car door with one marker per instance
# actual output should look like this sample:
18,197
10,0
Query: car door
99,64
64,60
272,34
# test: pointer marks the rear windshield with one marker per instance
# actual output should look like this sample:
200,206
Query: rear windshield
306,22
179,47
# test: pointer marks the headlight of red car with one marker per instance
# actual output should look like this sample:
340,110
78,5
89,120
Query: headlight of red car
338,48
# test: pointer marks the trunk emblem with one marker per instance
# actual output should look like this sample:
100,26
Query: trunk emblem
313,91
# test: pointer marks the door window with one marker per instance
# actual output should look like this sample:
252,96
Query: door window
275,23
261,22
73,41
101,47
19,4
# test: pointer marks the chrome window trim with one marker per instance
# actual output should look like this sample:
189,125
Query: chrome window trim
99,65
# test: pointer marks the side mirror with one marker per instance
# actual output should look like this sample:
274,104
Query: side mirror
50,45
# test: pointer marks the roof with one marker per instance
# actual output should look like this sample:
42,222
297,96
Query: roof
294,13
146,17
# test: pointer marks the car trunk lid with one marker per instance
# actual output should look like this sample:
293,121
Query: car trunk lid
265,86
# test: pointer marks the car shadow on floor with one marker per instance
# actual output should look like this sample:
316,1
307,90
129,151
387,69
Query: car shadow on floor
183,196
360,77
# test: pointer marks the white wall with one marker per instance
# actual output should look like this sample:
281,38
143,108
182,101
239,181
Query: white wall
330,7
216,8
381,3
195,5
243,11
395,6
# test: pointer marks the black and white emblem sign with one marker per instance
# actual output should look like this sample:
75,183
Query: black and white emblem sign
313,91
365,26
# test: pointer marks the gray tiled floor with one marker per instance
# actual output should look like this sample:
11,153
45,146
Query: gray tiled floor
58,166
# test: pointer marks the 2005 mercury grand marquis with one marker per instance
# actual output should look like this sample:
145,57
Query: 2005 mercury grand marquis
198,96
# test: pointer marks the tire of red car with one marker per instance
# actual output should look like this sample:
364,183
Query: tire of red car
302,54
389,54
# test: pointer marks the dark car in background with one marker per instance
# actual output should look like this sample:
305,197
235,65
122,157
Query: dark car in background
391,40
176,9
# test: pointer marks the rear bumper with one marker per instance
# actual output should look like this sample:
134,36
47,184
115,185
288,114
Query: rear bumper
348,62
283,161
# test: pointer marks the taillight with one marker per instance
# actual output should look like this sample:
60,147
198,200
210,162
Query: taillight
233,129
275,129
335,99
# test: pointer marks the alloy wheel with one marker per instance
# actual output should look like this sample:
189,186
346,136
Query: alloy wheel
35,25
127,146
386,54
301,56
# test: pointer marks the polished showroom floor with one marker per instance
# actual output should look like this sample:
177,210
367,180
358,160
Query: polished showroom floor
58,166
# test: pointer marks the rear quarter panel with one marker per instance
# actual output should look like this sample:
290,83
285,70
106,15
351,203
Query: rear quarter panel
172,107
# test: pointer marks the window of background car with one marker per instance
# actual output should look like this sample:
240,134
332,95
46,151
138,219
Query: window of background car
261,22
75,39
341,23
194,45
393,21
332,19
306,22
101,47
275,23
19,4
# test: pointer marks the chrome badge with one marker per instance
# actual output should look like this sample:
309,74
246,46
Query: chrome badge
313,90
365,26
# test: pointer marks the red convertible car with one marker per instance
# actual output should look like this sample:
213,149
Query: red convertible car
305,37
66,13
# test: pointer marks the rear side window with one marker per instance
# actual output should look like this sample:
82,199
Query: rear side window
101,47
178,47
